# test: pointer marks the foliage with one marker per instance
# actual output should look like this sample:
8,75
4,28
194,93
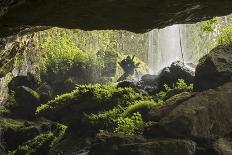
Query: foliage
39,144
210,25
178,87
225,37
133,125
141,106
89,99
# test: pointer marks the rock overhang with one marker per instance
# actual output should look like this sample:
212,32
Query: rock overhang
133,15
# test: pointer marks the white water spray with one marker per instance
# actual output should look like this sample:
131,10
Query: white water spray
167,49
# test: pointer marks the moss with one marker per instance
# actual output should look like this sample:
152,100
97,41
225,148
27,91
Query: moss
4,111
38,145
87,99
16,132
177,88
142,107
41,143
25,103
10,123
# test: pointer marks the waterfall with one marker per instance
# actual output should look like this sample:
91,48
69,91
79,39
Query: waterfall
165,48
151,52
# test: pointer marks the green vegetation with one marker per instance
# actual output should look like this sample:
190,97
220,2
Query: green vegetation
209,25
133,125
177,88
87,99
225,37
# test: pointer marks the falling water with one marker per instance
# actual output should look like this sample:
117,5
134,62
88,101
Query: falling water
164,47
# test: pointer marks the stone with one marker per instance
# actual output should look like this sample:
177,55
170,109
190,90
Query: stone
124,145
22,16
177,70
127,83
27,81
157,113
214,69
27,101
206,115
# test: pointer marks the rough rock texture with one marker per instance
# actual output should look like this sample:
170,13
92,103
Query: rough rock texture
133,15
214,69
123,145
157,113
177,70
27,101
207,115
28,81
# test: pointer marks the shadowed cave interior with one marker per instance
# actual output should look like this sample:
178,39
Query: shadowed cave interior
115,77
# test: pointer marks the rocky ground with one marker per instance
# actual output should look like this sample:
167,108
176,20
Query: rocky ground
185,122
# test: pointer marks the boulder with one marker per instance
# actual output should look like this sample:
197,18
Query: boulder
118,144
177,70
148,79
157,113
214,69
28,81
206,115
27,101
127,83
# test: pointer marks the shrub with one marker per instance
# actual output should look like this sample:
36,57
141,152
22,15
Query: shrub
133,125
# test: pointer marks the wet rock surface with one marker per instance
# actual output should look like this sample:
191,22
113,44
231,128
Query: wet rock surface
207,115
28,15
214,69
169,75
177,70
118,144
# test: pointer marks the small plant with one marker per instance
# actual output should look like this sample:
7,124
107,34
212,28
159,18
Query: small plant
181,84
178,87
225,37
133,125
210,25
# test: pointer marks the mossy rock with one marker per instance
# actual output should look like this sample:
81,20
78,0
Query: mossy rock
18,133
70,108
27,81
214,69
27,100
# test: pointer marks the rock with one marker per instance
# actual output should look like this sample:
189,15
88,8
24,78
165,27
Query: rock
223,146
214,69
118,144
45,92
16,133
137,15
206,115
177,70
27,101
127,83
109,143
157,113
149,82
27,81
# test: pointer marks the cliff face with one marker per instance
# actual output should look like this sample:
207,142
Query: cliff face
133,15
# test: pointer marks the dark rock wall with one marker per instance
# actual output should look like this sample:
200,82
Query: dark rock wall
132,15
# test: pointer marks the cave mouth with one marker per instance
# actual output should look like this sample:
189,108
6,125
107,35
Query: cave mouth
100,92
21,16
